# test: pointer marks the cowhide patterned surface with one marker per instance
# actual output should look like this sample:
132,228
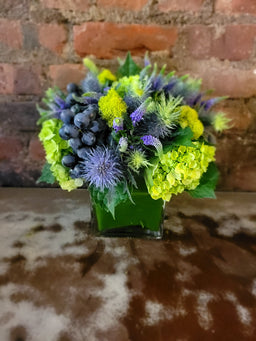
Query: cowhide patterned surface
60,283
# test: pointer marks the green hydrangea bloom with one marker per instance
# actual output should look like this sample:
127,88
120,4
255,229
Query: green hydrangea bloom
189,118
112,106
55,148
129,84
178,170
106,75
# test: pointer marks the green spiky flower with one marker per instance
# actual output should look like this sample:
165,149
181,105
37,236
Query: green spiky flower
167,110
137,160
112,106
221,122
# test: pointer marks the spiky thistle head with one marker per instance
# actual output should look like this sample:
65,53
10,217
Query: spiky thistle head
167,110
137,159
90,83
221,122
101,168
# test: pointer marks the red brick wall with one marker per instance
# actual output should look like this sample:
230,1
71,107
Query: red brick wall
42,43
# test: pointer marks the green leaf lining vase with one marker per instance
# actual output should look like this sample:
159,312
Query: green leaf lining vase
141,218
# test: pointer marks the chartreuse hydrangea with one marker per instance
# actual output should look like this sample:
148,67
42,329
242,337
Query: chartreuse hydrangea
178,170
55,148
129,85
106,75
189,118
112,106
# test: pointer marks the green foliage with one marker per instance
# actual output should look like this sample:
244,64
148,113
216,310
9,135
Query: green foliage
46,175
110,198
184,137
128,68
207,184
50,95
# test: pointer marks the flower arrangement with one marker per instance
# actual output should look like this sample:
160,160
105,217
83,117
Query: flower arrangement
139,123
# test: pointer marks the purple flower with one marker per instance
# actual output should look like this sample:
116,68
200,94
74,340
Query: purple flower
101,168
138,114
146,60
118,124
60,102
208,104
150,140
193,100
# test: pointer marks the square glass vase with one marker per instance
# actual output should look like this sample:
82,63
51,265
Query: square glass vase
141,219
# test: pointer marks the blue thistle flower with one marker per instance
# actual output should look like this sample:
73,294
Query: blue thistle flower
101,168
90,83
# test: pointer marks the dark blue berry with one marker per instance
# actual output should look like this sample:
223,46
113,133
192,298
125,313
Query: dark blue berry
67,116
82,121
70,99
72,87
63,133
83,152
75,143
76,172
69,161
88,138
71,130
76,108
95,127
91,111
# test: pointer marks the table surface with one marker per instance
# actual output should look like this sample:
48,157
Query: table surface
58,282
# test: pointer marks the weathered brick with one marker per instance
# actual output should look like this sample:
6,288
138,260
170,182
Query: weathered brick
22,176
30,34
36,150
10,147
224,78
79,5
133,5
236,6
180,5
236,158
66,73
235,43
106,40
53,37
21,116
10,33
7,76
27,80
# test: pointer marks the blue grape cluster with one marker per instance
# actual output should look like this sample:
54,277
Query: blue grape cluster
82,127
